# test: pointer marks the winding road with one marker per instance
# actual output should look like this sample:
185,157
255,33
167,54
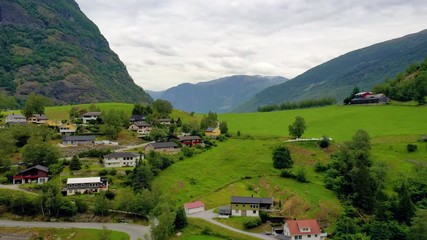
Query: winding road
134,231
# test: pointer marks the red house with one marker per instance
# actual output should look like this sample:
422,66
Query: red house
190,140
37,174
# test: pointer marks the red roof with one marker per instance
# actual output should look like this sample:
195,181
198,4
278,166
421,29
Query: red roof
295,227
195,204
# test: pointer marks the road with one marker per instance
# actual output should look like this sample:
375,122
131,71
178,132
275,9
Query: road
209,216
135,231
131,147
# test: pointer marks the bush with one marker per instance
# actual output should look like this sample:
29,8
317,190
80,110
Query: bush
263,216
113,172
411,147
95,153
3,180
300,177
187,151
81,205
253,223
110,195
324,142
287,174
320,167
103,172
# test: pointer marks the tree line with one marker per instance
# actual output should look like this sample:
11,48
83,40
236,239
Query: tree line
297,105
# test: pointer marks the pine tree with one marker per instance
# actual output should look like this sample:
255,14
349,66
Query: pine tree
75,163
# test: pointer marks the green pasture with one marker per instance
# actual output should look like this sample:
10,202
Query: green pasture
199,229
70,234
338,122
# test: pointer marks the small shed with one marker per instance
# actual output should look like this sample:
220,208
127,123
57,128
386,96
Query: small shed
224,212
194,207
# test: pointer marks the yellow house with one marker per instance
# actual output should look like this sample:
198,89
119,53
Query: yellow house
212,132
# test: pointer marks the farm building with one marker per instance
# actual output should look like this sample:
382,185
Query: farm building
194,207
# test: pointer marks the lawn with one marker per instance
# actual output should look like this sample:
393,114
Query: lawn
70,234
338,122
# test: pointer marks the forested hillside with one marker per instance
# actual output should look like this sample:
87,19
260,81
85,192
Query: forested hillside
51,48
364,68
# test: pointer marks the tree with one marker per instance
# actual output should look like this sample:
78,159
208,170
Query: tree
35,104
324,142
158,134
404,208
114,121
162,108
180,219
223,127
7,102
141,177
94,108
141,109
211,120
420,88
297,129
353,94
7,147
186,128
75,163
101,204
419,226
38,152
163,227
282,158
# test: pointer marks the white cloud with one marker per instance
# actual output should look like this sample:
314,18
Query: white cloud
165,42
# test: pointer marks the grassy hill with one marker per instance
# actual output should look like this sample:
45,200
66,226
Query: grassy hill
51,48
336,78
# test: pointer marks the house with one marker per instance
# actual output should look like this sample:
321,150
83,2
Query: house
67,129
38,119
190,140
212,132
368,98
78,140
170,147
249,206
164,121
90,116
141,127
194,207
120,159
15,119
136,118
37,174
86,185
302,229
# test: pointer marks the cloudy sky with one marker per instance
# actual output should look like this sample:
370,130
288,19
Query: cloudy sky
167,42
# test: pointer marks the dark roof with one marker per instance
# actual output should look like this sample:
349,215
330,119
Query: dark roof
251,200
163,145
283,237
79,138
120,155
38,167
225,210
142,124
210,129
88,114
40,116
136,118
186,138
16,116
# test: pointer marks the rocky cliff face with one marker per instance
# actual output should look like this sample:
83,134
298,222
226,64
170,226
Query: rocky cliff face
51,48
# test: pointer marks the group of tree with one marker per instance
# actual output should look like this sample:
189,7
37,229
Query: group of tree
408,86
7,102
309,103
35,104
211,120
360,186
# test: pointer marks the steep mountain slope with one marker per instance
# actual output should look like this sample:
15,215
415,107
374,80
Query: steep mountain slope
51,48
336,78
220,95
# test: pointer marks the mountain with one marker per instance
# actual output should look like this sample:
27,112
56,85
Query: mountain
220,95
50,47
155,94
336,78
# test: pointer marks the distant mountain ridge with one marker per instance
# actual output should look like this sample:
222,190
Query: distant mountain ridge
220,95
50,47
336,78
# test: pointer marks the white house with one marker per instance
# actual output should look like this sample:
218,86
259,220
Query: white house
120,159
15,118
249,206
194,207
86,185
302,229
86,117
141,127
67,129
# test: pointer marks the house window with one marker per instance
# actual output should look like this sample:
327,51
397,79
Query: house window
236,211
315,235
243,205
254,211
309,236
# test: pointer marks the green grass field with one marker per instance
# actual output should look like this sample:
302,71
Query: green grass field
338,122
70,234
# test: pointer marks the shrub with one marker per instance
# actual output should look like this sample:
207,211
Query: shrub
411,147
187,151
81,205
113,172
103,172
253,223
287,174
320,167
324,142
110,195
3,180
263,216
300,177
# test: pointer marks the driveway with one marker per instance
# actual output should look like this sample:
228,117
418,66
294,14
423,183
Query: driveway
135,231
209,216
15,187
131,147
